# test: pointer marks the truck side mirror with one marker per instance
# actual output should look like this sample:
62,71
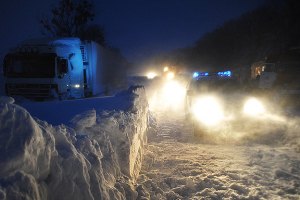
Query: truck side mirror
62,66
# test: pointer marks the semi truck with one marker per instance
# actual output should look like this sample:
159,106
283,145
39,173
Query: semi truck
63,68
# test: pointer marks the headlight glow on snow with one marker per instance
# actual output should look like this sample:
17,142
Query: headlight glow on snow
208,110
151,75
254,107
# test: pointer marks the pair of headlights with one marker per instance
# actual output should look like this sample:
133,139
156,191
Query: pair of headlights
209,110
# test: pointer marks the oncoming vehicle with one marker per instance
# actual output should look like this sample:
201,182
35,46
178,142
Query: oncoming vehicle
215,101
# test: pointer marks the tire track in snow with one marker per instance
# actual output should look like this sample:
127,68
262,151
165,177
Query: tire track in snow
172,127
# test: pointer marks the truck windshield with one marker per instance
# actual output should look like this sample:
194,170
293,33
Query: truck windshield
30,65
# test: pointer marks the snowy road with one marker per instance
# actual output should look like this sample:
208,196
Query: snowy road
178,166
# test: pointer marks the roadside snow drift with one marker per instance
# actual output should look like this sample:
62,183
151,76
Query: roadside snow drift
97,157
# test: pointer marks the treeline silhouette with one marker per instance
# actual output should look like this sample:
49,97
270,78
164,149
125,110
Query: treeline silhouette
271,29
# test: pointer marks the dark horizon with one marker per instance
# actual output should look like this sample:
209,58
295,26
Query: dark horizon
139,29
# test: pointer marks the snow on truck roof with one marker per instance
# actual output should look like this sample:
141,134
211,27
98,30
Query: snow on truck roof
68,41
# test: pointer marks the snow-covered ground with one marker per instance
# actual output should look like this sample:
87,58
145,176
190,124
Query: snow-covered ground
87,149
257,166
96,149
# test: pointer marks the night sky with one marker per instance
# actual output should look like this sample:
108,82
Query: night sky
140,28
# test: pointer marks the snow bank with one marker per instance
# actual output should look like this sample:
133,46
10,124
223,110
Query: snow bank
98,157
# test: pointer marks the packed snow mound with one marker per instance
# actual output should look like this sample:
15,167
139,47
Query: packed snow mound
62,112
98,158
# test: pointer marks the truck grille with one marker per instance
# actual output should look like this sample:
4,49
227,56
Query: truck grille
31,91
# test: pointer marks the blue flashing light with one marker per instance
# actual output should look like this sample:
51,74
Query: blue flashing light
226,74
204,74
200,74
196,74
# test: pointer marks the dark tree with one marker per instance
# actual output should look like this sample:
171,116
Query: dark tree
95,33
68,19
273,28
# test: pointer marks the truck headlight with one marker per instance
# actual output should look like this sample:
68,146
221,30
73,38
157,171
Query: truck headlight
77,86
254,107
172,94
170,75
208,110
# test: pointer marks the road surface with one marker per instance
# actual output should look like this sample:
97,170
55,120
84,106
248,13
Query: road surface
179,166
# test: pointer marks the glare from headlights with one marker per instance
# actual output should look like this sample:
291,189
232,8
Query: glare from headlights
208,110
170,75
254,107
151,75
169,95
173,93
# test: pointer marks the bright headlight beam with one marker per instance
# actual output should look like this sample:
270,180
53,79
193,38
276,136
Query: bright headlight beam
170,75
254,107
173,93
208,110
151,75
169,95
